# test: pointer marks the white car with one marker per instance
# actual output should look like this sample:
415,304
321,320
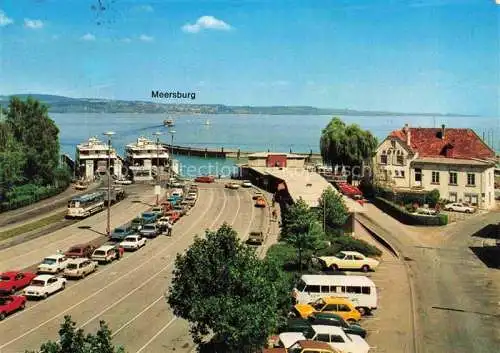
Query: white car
79,268
426,211
105,254
44,285
246,184
123,181
459,207
53,264
133,242
349,260
332,335
191,196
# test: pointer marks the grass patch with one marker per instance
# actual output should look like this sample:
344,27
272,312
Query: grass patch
25,228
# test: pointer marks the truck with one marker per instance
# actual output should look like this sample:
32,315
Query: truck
256,238
117,194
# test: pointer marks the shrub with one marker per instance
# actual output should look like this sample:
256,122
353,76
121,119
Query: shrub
348,243
406,217
25,195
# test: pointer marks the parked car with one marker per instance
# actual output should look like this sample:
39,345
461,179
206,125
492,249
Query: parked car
44,285
136,224
80,250
332,335
340,306
191,196
246,184
158,210
149,217
255,238
123,231
11,304
162,223
232,186
426,211
133,242
348,260
53,264
12,281
181,209
173,215
302,325
459,207
105,254
123,181
205,179
150,230
260,202
304,346
79,268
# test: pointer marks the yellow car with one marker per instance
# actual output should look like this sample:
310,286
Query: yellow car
340,306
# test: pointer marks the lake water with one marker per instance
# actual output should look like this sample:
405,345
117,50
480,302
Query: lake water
248,132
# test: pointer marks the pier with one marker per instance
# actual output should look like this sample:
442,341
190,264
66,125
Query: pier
226,153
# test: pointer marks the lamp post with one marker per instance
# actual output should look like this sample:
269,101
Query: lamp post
109,134
158,180
172,132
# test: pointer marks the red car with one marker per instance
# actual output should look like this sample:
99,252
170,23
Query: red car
173,216
10,304
205,179
12,281
80,250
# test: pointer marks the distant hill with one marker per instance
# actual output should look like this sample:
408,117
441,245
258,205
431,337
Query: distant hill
60,104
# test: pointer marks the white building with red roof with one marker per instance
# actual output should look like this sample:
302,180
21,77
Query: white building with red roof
457,162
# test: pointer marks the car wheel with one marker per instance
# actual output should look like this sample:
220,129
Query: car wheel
291,315
63,286
23,305
351,321
45,295
365,268
362,311
13,290
2,316
334,267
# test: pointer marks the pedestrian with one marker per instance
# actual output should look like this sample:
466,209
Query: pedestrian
169,228
274,215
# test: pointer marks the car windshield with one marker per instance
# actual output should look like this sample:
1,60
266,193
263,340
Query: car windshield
309,334
49,261
4,278
75,249
136,220
119,230
130,239
149,227
339,255
147,215
99,252
318,305
72,266
4,300
37,283
301,286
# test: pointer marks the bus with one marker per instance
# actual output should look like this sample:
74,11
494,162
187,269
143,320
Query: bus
85,205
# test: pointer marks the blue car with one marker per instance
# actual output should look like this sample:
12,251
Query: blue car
122,232
149,217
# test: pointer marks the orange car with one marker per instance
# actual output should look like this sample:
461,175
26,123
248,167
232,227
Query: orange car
260,202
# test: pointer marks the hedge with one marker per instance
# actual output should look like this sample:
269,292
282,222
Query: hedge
408,218
28,194
348,243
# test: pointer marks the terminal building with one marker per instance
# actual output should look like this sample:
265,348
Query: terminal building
288,178
146,159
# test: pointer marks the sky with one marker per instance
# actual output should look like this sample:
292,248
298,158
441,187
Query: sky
393,55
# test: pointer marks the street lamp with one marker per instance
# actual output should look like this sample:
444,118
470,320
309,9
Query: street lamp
109,134
158,180
172,132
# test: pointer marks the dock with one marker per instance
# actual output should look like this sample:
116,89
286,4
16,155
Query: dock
226,153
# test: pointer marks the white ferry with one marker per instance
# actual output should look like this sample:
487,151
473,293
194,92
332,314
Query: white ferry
143,158
92,159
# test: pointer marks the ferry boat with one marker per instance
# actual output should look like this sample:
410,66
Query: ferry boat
143,158
168,122
92,160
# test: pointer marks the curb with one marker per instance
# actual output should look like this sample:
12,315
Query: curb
377,237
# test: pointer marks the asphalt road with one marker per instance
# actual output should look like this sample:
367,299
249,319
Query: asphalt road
128,294
457,295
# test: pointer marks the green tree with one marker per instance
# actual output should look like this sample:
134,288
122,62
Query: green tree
296,219
222,288
31,126
346,145
332,209
12,160
73,340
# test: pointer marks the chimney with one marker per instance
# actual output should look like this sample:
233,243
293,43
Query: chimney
442,131
406,129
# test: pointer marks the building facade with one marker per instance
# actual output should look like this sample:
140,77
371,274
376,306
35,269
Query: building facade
92,159
146,159
454,161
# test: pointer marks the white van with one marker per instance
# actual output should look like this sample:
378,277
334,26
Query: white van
359,289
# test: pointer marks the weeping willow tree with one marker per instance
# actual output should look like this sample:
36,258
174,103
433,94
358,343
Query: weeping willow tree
346,146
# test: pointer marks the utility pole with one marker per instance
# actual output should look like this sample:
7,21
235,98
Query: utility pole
171,171
158,179
108,225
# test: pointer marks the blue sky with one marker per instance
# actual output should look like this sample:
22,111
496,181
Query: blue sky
397,55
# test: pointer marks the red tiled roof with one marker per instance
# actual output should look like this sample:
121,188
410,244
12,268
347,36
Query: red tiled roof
457,143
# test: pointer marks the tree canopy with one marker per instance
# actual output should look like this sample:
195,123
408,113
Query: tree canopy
73,340
346,145
222,288
332,208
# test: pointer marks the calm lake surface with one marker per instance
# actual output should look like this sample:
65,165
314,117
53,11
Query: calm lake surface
247,132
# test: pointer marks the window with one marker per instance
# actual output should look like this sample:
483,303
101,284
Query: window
435,177
453,178
393,144
400,159
396,172
336,289
325,289
331,307
471,179
418,174
323,337
313,289
453,197
383,159
358,257
336,338
356,290
365,290
344,307
402,172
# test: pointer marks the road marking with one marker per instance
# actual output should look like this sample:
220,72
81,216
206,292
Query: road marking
100,290
115,332
156,335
